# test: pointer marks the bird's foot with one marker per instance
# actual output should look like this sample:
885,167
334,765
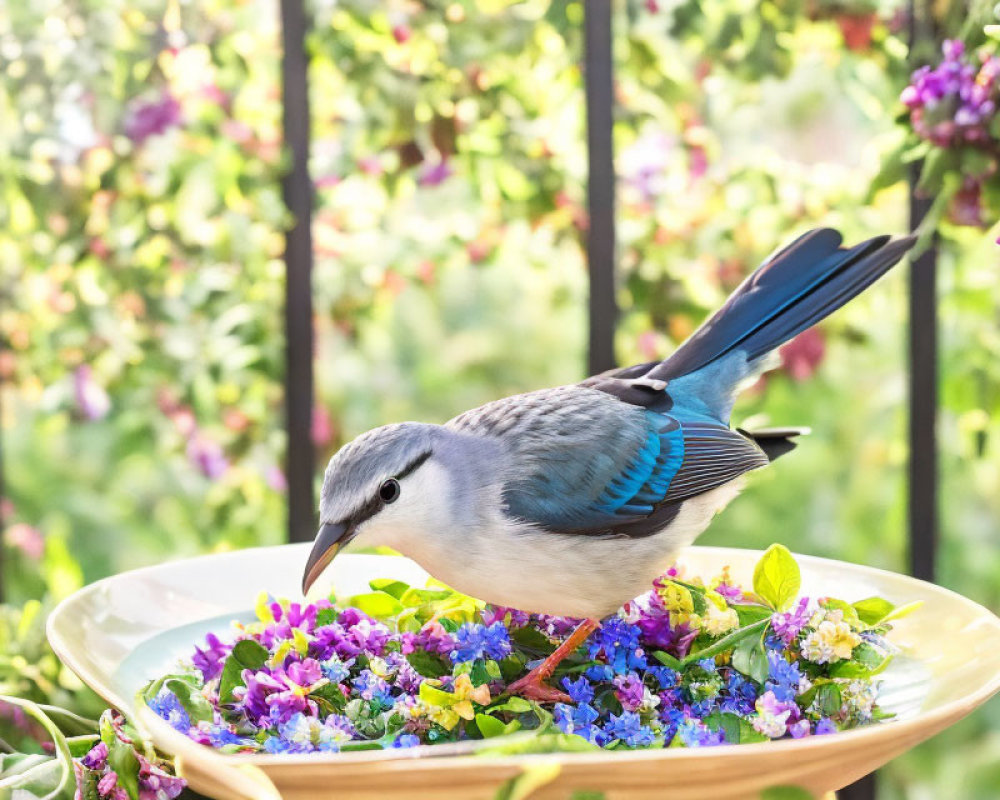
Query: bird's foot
531,687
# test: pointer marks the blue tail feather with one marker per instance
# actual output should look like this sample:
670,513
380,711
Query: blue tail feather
792,291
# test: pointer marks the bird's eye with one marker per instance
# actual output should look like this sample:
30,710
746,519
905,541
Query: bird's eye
389,491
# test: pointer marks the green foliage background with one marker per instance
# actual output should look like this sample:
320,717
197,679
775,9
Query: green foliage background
450,169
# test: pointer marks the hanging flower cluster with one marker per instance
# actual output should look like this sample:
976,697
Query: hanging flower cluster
687,664
953,114
955,102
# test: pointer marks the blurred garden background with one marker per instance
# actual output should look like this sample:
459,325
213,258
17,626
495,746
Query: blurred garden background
141,273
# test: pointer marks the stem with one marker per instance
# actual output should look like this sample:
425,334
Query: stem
725,642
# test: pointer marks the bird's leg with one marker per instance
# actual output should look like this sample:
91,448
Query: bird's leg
532,686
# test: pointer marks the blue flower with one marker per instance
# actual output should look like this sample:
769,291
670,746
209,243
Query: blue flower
166,706
707,664
693,733
740,695
666,677
371,687
618,643
274,744
474,641
580,690
336,670
406,740
784,677
628,728
220,736
577,719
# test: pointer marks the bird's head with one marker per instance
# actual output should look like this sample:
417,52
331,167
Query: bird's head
390,485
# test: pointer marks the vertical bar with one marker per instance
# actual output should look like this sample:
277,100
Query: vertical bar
297,190
603,309
922,502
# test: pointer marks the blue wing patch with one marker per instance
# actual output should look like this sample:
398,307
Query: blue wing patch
646,478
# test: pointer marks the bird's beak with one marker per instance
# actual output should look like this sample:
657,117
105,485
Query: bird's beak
331,537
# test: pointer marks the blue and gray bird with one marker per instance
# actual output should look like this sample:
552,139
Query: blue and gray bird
573,500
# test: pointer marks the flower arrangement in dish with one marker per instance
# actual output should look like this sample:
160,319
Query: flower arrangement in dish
691,663
125,631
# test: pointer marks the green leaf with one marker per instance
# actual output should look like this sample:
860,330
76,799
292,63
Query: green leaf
121,758
750,659
515,705
776,577
828,699
193,701
490,727
428,664
418,597
326,616
872,610
246,654
727,642
903,611
751,612
389,586
532,639
376,604
436,697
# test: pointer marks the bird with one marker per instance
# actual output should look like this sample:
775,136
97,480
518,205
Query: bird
573,500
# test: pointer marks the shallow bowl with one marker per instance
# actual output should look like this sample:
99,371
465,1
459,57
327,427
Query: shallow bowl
123,631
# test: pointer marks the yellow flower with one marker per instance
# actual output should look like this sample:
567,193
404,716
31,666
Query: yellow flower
466,694
716,622
677,601
831,641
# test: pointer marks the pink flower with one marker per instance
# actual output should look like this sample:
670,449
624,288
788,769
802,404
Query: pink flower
152,118
27,539
803,354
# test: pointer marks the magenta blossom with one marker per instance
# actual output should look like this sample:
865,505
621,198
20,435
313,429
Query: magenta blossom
152,118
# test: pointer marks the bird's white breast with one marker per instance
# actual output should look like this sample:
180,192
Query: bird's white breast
572,575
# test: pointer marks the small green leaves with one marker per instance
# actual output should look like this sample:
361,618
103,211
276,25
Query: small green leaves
376,604
872,610
246,654
489,726
776,577
192,700
750,658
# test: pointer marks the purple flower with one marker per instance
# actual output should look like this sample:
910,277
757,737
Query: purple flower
92,401
825,726
209,661
434,174
518,619
207,455
799,729
787,625
97,757
406,740
630,690
152,118
155,784
405,677
628,728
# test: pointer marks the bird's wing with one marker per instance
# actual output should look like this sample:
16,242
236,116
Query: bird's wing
584,461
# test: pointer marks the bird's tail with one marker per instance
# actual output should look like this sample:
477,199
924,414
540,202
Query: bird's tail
791,291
